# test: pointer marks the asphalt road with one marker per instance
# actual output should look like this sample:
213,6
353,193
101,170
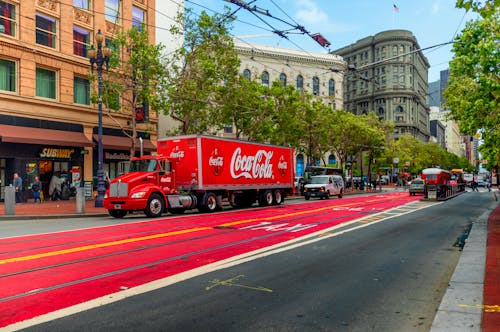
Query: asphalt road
389,276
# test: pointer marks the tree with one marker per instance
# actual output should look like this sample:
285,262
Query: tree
199,72
130,88
473,92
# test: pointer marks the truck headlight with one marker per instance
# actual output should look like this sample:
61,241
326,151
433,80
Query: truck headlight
139,194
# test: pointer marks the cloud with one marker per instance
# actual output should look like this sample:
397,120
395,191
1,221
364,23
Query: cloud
308,12
436,8
314,18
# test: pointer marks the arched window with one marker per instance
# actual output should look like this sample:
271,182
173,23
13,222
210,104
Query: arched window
315,86
380,113
247,74
283,79
331,87
399,109
265,78
331,160
300,82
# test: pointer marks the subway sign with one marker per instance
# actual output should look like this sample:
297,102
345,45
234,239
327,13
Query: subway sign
54,153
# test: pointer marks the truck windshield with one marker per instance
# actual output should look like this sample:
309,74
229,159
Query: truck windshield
319,180
148,165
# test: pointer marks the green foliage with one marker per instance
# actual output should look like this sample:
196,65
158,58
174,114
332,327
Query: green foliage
201,72
135,78
473,92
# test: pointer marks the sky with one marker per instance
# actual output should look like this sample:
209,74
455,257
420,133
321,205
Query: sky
343,22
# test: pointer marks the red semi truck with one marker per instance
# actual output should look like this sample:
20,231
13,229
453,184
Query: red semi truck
199,172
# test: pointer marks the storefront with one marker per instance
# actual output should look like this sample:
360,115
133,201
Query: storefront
40,152
116,153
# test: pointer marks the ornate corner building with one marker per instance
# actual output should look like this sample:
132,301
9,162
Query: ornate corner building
48,124
388,75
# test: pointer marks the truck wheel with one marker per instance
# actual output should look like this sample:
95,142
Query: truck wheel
278,197
307,197
117,213
341,194
155,206
209,202
266,198
327,195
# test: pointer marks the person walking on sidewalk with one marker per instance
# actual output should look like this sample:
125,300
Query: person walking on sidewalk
18,186
36,187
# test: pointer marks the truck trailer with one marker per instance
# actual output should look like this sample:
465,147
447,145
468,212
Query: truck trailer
200,172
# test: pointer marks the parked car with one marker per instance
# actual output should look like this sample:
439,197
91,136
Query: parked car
417,186
324,186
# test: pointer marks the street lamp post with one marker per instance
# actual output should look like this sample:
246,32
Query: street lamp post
99,58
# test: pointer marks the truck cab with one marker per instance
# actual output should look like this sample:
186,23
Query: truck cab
324,186
143,188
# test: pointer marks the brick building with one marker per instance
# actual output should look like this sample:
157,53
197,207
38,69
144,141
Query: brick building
48,124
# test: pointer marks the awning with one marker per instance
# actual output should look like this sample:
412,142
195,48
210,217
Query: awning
27,135
124,143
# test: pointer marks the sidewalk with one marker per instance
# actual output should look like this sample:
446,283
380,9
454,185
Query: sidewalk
471,303
51,209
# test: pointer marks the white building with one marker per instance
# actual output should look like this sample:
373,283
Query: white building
321,74
166,12
454,140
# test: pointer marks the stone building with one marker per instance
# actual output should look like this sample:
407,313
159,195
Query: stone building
388,75
48,124
320,74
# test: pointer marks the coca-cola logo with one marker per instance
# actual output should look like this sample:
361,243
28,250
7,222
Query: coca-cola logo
282,165
216,162
257,166
176,153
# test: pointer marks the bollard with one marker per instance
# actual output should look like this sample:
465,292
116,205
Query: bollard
10,200
80,200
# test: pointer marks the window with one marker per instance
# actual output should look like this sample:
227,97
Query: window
7,18
138,17
81,41
247,74
112,10
300,82
315,85
331,87
265,78
399,109
45,30
81,91
283,79
83,4
45,83
7,75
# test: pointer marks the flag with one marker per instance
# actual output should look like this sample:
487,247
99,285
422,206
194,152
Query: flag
396,8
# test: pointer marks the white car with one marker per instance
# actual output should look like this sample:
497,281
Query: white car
324,186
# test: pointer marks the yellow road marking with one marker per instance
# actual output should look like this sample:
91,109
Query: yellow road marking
231,282
485,307
156,236
100,245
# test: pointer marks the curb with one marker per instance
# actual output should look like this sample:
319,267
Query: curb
461,308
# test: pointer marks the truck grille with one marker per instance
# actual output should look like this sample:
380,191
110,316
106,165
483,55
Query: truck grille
118,189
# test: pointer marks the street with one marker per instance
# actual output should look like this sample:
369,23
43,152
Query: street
362,268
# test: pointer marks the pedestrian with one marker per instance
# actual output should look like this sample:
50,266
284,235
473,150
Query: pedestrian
18,186
37,188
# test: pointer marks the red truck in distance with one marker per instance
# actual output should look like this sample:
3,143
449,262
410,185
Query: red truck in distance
199,172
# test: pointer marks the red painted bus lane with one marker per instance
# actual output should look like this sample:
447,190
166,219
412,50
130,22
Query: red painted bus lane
40,274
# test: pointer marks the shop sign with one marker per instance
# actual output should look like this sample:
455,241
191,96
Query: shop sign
56,153
116,156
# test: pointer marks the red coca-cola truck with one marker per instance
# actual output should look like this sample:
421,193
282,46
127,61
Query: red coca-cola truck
200,172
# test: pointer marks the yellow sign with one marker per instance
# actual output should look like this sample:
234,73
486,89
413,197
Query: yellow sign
56,153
